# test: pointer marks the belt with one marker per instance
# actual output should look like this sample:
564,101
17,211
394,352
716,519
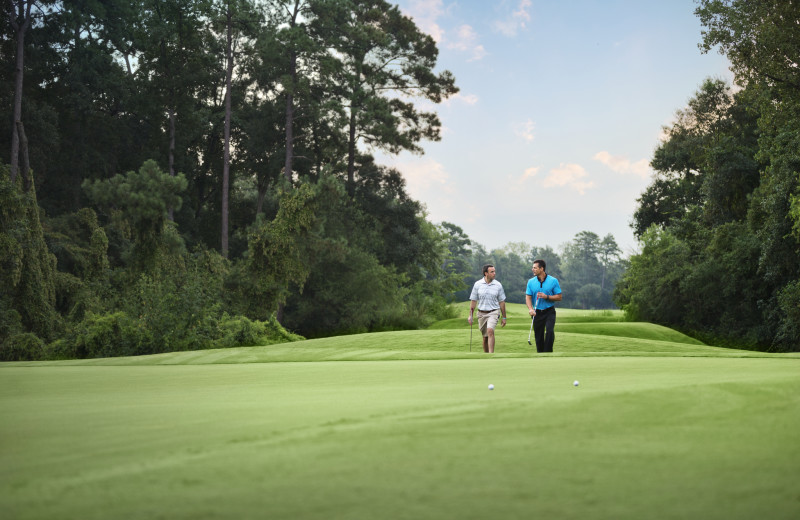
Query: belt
490,310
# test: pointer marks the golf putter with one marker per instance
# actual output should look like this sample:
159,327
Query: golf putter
534,308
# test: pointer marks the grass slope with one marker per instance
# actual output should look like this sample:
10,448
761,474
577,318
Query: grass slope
660,426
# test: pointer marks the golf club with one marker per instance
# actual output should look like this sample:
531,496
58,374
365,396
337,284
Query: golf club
470,335
534,308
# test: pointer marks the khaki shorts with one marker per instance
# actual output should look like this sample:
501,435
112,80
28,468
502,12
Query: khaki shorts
488,320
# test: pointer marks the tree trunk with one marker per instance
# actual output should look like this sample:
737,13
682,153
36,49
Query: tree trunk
262,193
171,112
351,154
288,166
21,27
26,163
226,153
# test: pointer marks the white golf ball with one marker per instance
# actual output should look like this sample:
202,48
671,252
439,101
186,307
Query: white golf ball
575,383
491,387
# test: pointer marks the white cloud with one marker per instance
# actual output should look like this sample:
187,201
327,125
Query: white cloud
522,13
466,41
425,177
569,176
478,52
531,172
425,14
465,38
520,182
516,21
621,164
525,130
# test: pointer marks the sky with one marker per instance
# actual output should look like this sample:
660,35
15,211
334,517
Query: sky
561,106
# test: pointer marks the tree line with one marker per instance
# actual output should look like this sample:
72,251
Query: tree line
588,267
719,226
198,173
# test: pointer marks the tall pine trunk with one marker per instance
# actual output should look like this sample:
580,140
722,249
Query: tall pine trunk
287,168
351,154
289,164
226,153
20,22
171,113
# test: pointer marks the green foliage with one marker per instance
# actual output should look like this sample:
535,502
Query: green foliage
276,257
794,210
27,267
170,311
651,286
725,192
787,336
125,88
241,331
759,38
79,243
103,335
25,346
706,166
143,199
383,60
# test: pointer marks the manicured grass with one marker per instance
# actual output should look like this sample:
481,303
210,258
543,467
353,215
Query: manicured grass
660,427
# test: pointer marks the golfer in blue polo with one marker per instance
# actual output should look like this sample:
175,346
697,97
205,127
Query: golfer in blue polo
541,293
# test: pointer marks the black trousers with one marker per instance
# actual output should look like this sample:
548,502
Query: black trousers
544,324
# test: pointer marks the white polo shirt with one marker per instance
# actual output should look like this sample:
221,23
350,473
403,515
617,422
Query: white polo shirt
488,295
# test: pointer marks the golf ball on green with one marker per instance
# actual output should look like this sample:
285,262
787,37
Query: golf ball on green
575,383
491,387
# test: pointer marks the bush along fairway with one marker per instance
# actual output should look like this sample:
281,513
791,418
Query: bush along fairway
403,425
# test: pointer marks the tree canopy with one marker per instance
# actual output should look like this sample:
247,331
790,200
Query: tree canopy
720,258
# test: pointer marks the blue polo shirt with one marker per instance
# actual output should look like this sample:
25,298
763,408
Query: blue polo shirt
549,286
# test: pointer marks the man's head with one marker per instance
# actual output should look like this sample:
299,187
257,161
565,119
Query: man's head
538,267
489,272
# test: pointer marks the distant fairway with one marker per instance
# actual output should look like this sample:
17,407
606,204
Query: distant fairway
661,426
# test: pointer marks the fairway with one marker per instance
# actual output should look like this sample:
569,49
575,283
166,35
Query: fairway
402,425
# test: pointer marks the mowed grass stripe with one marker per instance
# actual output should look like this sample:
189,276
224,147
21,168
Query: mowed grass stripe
665,437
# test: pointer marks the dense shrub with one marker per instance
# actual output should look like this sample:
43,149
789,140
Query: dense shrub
241,331
22,347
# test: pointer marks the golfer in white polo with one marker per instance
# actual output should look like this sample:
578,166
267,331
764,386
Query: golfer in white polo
490,298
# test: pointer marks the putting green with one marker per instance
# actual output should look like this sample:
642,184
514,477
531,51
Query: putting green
657,428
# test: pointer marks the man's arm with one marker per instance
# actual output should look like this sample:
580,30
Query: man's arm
472,305
529,303
503,313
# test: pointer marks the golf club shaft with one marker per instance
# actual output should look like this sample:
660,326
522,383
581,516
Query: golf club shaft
535,303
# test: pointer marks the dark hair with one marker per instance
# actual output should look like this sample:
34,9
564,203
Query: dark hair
541,263
486,268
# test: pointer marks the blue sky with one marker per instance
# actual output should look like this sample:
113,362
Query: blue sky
562,104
